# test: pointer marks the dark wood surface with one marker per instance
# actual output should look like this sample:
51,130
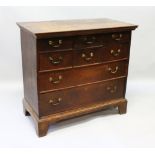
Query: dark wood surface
71,68
80,96
55,44
83,57
29,63
55,60
81,76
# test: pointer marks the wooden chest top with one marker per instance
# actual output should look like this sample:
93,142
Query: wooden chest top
50,28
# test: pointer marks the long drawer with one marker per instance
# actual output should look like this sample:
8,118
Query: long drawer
64,100
78,76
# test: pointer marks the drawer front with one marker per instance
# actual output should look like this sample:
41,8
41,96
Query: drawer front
54,44
88,41
77,76
111,51
115,51
119,37
55,60
59,101
88,56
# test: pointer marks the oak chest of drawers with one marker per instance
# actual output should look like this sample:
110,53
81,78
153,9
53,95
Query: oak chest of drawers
74,67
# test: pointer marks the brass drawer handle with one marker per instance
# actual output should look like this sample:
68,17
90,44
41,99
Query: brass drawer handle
51,79
54,43
91,55
117,36
115,53
112,89
57,61
57,102
89,40
113,71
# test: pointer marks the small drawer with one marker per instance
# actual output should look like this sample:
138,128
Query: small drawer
88,56
88,41
54,44
68,99
77,76
55,60
119,36
115,51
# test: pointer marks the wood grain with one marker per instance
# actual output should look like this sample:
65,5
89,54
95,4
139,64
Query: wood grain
88,95
47,28
73,67
29,64
86,75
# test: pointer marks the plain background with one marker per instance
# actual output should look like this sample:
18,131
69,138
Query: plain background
104,129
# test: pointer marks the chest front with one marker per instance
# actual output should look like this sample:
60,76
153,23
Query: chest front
71,71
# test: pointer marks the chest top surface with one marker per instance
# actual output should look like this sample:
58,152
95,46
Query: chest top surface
74,26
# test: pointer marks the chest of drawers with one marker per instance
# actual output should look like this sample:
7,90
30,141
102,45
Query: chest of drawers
74,67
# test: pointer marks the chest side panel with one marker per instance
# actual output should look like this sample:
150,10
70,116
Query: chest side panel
29,59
